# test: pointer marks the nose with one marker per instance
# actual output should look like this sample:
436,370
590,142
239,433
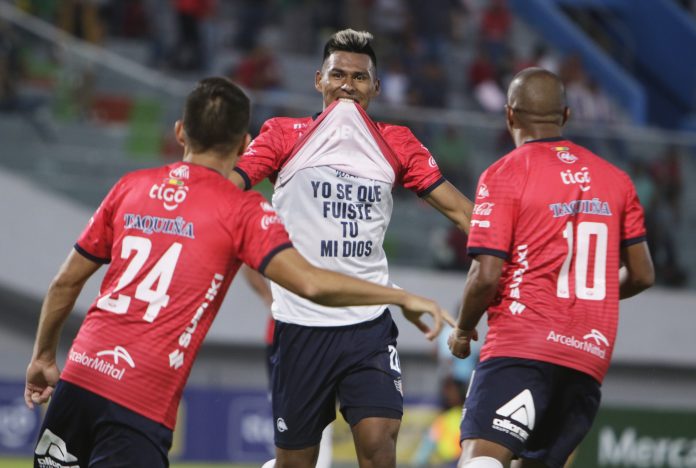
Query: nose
347,85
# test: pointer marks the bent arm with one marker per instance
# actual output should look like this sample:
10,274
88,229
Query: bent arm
453,204
291,271
59,302
479,290
637,273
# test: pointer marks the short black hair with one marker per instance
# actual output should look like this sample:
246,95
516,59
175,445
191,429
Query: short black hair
216,115
349,40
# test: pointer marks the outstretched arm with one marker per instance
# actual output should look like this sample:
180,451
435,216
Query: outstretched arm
291,271
43,373
479,291
452,203
637,273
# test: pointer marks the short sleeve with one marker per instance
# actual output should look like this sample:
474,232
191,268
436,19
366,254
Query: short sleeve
633,226
495,211
420,172
263,156
261,232
97,238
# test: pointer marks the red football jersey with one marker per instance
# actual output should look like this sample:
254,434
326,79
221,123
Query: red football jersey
175,236
414,166
559,215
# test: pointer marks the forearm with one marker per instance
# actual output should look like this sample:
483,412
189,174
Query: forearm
477,298
453,204
56,307
335,290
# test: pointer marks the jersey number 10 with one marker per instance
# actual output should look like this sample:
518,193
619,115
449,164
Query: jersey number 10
161,273
586,230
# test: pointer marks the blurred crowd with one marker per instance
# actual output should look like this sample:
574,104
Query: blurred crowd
437,54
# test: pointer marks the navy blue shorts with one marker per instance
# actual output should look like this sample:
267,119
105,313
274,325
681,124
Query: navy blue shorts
538,410
313,366
84,429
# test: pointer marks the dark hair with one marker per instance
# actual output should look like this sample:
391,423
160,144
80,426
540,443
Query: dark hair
216,116
349,40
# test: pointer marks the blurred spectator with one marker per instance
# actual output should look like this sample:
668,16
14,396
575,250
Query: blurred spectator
253,15
429,85
81,19
483,83
395,82
666,216
258,70
440,445
190,52
12,70
496,23
160,30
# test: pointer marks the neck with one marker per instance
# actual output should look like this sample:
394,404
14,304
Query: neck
211,160
522,135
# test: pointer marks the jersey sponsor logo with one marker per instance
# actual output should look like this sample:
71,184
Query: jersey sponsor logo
118,352
515,413
172,192
581,178
54,451
176,357
592,347
103,366
280,425
181,172
267,220
482,192
394,362
626,447
155,224
563,153
483,209
516,307
572,208
482,224
597,336
431,162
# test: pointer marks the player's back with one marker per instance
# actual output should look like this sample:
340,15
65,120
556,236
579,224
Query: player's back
569,211
173,236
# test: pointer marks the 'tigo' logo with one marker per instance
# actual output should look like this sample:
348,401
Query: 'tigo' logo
172,192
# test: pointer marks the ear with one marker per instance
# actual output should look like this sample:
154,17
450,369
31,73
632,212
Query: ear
509,116
566,116
244,145
179,132
317,81
378,86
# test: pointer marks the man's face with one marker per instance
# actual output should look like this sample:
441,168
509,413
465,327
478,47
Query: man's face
347,75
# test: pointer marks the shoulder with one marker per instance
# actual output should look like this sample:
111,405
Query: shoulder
286,124
396,133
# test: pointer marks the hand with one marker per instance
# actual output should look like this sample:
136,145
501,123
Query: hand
414,307
42,377
459,341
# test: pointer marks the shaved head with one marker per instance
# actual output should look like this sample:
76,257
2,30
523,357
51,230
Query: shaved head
537,96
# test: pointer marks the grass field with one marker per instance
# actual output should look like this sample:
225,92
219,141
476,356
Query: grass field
27,462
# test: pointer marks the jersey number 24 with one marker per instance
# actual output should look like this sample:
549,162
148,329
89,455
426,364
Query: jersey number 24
161,274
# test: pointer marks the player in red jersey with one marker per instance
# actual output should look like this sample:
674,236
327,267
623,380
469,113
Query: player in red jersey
175,237
333,176
557,238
